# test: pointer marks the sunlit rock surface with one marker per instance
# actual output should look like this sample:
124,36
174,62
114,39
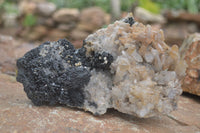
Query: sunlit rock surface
190,53
126,66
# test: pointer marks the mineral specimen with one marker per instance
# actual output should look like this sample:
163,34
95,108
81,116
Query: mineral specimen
126,66
190,53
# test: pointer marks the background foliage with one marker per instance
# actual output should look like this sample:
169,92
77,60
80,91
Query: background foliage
154,6
192,6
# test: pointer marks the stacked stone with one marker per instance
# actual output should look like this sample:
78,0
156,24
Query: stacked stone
53,24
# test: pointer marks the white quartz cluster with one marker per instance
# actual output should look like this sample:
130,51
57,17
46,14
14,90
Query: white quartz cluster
142,80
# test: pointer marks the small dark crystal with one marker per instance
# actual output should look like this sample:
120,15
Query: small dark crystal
102,61
129,20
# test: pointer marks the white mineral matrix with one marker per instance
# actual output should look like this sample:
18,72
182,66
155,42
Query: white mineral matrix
126,66
144,82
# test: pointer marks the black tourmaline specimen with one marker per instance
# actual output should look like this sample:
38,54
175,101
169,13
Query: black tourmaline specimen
56,73
113,69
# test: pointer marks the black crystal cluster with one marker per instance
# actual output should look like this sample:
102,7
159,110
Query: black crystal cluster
129,20
56,73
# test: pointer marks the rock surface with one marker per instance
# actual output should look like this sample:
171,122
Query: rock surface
18,114
182,16
56,34
10,50
126,66
46,8
66,15
67,27
93,16
37,33
175,33
27,7
190,52
78,34
146,16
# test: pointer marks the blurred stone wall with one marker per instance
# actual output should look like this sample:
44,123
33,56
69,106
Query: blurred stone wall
53,23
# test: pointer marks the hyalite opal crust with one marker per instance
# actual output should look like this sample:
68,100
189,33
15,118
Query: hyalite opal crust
126,66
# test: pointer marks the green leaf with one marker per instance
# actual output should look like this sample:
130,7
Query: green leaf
29,20
192,6
150,6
